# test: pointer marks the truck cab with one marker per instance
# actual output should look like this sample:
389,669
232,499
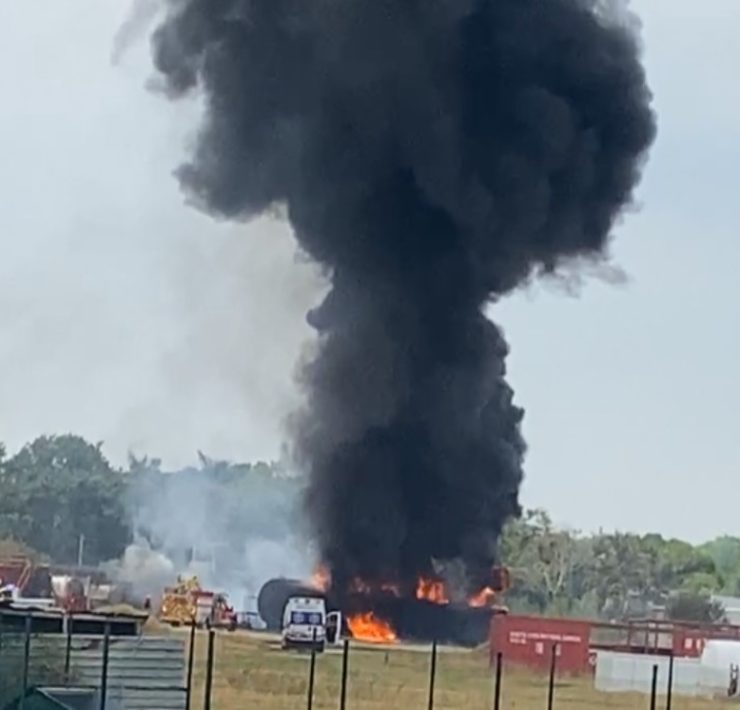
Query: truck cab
305,623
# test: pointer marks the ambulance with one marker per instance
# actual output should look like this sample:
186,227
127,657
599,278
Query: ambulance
307,625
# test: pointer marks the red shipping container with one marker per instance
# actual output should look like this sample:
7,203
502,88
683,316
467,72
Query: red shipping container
690,641
528,641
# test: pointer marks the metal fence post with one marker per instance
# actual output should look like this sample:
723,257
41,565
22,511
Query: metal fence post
654,689
432,674
26,661
345,663
104,672
68,649
669,696
311,673
191,660
551,688
209,669
497,685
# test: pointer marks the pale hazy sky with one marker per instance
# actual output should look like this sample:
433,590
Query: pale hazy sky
129,318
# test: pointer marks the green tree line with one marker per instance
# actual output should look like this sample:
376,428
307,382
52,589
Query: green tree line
59,489
616,575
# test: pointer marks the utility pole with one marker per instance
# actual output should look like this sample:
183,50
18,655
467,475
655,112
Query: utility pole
80,550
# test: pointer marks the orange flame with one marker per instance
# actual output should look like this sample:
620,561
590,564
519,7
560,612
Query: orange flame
321,579
432,591
367,627
485,597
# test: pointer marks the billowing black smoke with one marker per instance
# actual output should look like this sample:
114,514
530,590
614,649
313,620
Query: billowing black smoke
432,155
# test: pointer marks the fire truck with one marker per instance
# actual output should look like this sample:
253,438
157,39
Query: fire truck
188,602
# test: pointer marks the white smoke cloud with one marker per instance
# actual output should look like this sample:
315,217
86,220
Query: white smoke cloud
233,527
144,570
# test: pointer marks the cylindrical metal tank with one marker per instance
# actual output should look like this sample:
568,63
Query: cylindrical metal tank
275,594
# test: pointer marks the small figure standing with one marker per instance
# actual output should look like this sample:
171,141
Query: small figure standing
734,677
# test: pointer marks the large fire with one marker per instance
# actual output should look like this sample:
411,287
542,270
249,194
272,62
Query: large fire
485,597
321,579
432,591
427,589
368,627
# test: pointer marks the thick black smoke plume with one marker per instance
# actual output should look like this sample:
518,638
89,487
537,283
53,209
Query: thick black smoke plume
432,155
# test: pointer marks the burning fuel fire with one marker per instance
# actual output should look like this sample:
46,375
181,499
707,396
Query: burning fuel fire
485,597
321,579
368,627
432,591
367,596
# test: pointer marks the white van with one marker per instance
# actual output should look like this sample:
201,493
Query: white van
305,623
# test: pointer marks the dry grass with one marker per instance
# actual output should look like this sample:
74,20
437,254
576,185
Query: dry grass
252,672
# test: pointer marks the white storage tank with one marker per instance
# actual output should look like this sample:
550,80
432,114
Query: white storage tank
719,673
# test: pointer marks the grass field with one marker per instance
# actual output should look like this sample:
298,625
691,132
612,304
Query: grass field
252,672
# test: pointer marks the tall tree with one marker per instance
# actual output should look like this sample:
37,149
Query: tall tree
61,489
698,607
725,552
549,565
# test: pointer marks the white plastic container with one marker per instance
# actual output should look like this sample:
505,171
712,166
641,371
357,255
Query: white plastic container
720,664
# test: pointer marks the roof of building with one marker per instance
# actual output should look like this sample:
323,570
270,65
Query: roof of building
53,698
727,602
